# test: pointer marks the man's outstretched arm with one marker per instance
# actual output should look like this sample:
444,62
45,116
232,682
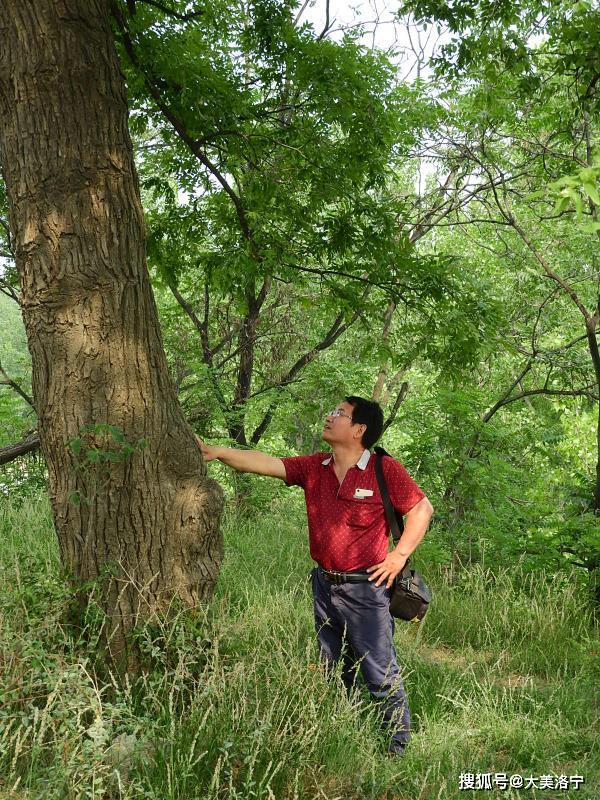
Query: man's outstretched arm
244,460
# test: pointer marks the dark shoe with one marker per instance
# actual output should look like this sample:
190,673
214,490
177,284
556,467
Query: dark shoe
396,750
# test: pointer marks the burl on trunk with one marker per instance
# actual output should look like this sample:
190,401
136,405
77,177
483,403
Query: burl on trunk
77,227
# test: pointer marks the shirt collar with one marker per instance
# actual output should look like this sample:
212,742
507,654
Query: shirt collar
361,463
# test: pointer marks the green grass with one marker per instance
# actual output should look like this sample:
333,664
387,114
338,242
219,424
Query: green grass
500,677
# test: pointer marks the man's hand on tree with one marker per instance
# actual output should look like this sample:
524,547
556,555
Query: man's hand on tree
388,569
243,460
209,452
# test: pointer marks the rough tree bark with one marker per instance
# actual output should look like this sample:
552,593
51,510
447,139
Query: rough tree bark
92,327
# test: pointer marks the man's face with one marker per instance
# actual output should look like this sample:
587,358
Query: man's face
339,428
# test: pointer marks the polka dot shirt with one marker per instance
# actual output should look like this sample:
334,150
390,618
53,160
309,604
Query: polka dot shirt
346,522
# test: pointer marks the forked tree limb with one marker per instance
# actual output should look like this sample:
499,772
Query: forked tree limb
8,381
399,400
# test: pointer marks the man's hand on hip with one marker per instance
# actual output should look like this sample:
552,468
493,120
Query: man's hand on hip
388,569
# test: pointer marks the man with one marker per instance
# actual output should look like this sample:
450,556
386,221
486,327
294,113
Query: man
349,541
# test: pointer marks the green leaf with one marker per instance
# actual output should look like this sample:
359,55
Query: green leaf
536,195
93,455
117,434
113,455
75,445
561,205
591,189
591,227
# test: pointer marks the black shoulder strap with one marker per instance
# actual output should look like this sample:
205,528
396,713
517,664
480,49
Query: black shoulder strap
395,521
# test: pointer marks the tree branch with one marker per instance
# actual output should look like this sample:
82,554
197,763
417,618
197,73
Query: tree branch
198,324
10,292
14,385
387,324
12,451
169,12
6,226
389,288
399,399
548,270
328,24
179,126
553,350
393,382
301,11
334,332
489,414
585,392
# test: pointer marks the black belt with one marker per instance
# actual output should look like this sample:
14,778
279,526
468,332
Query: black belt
331,576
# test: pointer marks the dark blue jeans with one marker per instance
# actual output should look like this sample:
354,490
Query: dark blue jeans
353,623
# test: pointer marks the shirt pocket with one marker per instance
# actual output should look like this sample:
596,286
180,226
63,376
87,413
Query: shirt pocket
365,511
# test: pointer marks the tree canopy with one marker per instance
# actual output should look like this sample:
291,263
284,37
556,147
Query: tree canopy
315,224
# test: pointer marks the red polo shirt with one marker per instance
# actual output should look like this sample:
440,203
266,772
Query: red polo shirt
346,522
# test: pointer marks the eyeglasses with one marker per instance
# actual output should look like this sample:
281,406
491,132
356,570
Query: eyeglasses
338,413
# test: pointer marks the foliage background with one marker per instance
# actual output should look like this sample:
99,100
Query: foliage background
319,225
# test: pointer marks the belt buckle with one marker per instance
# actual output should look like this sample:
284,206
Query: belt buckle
336,577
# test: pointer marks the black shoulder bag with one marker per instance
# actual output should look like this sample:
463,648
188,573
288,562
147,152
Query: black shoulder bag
411,596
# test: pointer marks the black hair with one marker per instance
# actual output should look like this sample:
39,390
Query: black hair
369,413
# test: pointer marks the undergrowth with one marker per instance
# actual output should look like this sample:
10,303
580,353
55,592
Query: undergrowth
500,677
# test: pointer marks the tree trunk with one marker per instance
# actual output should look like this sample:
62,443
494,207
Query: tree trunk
147,518
591,326
597,487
